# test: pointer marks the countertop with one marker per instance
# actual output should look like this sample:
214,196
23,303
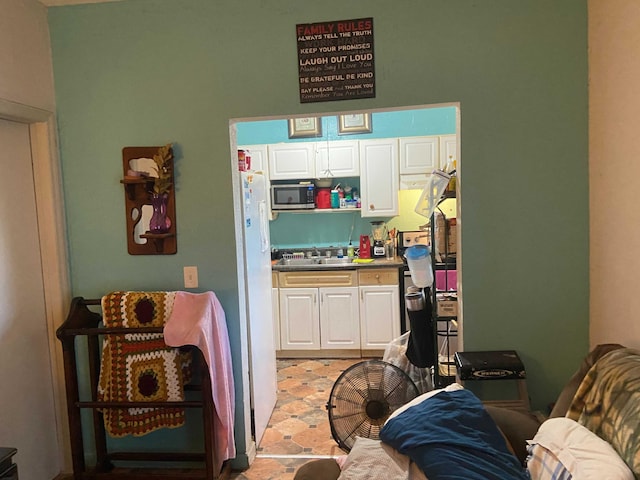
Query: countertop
395,262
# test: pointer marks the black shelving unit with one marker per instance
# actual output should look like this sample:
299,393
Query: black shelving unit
444,326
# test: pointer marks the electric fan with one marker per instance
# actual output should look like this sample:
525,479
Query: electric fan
363,397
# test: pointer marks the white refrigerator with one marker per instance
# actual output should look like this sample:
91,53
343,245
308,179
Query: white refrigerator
257,269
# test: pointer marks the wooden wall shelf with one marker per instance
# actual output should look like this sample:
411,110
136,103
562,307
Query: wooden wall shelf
138,191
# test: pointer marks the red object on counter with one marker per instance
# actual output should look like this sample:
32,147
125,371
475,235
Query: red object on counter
323,198
365,247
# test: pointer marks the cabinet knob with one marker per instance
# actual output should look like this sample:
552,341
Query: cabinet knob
372,207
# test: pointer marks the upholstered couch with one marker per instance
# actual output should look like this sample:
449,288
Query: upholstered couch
603,396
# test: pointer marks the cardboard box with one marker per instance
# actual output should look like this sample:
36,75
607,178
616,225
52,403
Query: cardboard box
447,305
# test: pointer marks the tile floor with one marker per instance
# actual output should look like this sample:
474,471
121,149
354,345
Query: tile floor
299,427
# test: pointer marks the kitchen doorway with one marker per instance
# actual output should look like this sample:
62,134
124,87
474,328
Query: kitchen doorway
289,230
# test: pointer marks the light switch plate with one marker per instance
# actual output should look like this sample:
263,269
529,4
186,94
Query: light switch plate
190,277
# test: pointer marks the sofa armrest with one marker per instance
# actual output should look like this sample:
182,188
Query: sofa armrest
566,395
517,427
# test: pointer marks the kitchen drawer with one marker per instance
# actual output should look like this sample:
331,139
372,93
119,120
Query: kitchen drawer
274,279
378,276
332,278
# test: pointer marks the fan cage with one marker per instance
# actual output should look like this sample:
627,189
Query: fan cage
363,397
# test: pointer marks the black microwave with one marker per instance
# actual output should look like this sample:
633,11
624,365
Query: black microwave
292,197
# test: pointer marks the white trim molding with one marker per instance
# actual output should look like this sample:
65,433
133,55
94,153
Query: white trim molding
53,247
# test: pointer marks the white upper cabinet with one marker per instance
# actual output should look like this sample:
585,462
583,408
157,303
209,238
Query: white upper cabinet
379,182
292,161
418,155
259,159
337,159
448,149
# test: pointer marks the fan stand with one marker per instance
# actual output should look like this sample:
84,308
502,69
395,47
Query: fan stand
363,397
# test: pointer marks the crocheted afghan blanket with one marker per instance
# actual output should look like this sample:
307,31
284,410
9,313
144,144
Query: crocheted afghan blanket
140,367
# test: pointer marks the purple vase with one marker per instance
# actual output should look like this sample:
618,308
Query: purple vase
160,222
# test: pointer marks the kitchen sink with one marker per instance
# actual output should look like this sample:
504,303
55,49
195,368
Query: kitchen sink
299,261
315,261
335,261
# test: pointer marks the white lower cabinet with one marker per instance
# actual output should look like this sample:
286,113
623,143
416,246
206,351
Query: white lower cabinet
319,310
379,308
299,319
339,318
319,318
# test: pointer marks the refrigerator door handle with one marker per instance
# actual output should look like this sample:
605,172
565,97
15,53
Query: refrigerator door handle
264,225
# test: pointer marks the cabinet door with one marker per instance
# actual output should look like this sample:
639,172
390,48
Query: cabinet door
289,161
337,159
299,319
418,155
379,315
339,318
379,177
448,149
275,305
414,182
259,159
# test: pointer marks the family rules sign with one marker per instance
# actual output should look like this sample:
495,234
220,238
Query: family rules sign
335,60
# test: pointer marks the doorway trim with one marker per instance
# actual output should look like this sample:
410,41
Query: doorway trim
47,181
239,237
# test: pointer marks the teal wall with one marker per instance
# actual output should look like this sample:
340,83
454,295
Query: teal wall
148,72
401,123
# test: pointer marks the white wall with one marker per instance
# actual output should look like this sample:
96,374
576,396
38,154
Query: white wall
614,162
26,76
27,398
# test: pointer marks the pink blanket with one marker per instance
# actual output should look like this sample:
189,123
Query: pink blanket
199,320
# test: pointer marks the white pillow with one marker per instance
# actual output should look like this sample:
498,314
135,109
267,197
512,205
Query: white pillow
449,388
373,459
562,446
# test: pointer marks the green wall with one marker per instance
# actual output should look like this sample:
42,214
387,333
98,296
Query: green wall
148,72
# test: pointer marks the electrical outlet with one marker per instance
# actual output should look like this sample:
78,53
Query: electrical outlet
190,277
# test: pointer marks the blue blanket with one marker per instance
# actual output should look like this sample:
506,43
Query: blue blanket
451,436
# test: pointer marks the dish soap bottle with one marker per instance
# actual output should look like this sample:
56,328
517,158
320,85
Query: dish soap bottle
350,251
451,170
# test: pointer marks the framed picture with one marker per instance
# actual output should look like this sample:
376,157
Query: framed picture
305,127
354,123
